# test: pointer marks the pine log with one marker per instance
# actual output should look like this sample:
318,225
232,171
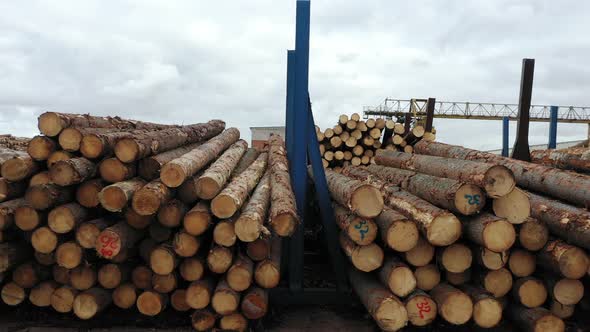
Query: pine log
114,239
150,143
172,213
72,171
58,155
138,221
19,166
151,303
565,259
175,172
522,263
192,269
64,218
397,276
224,233
453,305
81,278
73,139
533,234
421,254
485,229
455,258
11,190
199,293
187,192
241,273
328,133
91,302
100,142
421,308
561,310
216,176
69,255
247,159
458,279
498,282
147,200
515,206
561,159
159,232
13,254
40,178
12,294
267,272
224,300
88,231
178,300
125,296
427,277
149,167
563,290
233,322
362,231
87,192
399,233
198,219
568,186
41,147
40,295
451,194
145,248
219,259
529,291
45,196
44,240
116,196
365,258
163,260
254,303
385,308
7,212
141,276
185,245
490,259
497,180
113,170
234,195
250,223
203,320
259,249
487,311
111,275
62,299
283,210
535,319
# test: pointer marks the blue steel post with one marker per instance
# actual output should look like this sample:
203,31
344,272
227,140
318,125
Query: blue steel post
299,150
505,133
553,128
289,142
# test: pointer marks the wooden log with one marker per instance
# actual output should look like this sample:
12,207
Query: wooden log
421,308
69,255
45,196
90,302
199,293
113,170
172,213
64,218
247,159
561,310
62,299
100,142
397,276
259,249
61,275
149,167
386,309
72,171
529,291
362,126
561,159
454,306
8,210
58,155
399,233
485,229
254,303
147,200
490,259
138,221
563,258
192,269
163,259
250,223
459,278
155,142
114,239
44,240
563,290
497,180
522,263
365,258
41,147
233,196
487,311
241,273
427,277
178,300
342,119
455,258
344,135
498,282
110,276
533,234
283,216
185,245
515,206
267,272
351,125
224,233
355,117
125,296
40,178
11,190
421,254
175,172
116,196
535,319
83,277
141,276
329,133
203,320
87,232
456,196
12,294
225,300
151,303
72,139
198,219
19,166
233,322
159,232
219,259
87,193
216,176
40,295
362,231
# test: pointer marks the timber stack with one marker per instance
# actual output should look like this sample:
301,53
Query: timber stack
353,141
463,235
104,211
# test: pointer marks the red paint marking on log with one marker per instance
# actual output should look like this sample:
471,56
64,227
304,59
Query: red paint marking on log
109,245
423,307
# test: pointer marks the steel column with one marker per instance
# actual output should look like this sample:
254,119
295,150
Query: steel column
429,114
505,135
289,120
553,128
521,149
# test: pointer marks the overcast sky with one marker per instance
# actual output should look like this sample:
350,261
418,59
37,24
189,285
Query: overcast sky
190,61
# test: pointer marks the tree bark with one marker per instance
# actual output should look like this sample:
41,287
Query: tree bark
534,234
487,311
485,229
19,166
568,186
529,291
385,308
364,258
115,196
283,209
421,308
7,211
362,231
11,190
138,221
150,303
64,218
399,233
116,238
250,223
396,275
247,159
147,200
561,159
91,302
198,219
72,171
225,300
234,195
268,271
535,319
565,259
41,147
149,167
74,139
454,306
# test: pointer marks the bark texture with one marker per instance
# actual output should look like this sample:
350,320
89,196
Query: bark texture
561,159
72,171
250,223
147,200
283,209
149,167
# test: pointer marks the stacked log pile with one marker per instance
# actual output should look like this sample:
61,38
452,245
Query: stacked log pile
353,141
104,211
461,236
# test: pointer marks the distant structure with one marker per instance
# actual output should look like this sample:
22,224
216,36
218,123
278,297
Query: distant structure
561,145
261,134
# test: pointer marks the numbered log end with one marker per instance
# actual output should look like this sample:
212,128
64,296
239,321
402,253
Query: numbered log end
402,236
125,296
469,199
285,224
515,206
422,310
112,198
444,230
223,206
367,258
367,201
568,291
127,150
108,244
113,170
499,181
150,303
12,294
487,312
44,240
499,236
173,175
203,320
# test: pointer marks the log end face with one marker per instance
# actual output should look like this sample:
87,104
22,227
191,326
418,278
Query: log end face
403,236
367,201
125,296
456,258
533,235
162,261
444,230
367,258
172,175
61,220
196,222
44,240
499,181
70,139
457,308
514,207
224,234
549,323
62,299
26,218
62,173
469,199
402,281
224,303
247,230
223,206
574,263
108,244
50,124
487,313
421,310
91,146
499,236
113,170
427,277
69,255
85,306
127,150
15,169
239,279
12,294
498,282
86,236
532,293
284,224
149,303
112,199
144,203
391,315
267,275
203,320
568,291
207,188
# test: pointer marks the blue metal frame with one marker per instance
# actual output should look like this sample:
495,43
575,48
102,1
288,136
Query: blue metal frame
289,118
553,127
505,133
